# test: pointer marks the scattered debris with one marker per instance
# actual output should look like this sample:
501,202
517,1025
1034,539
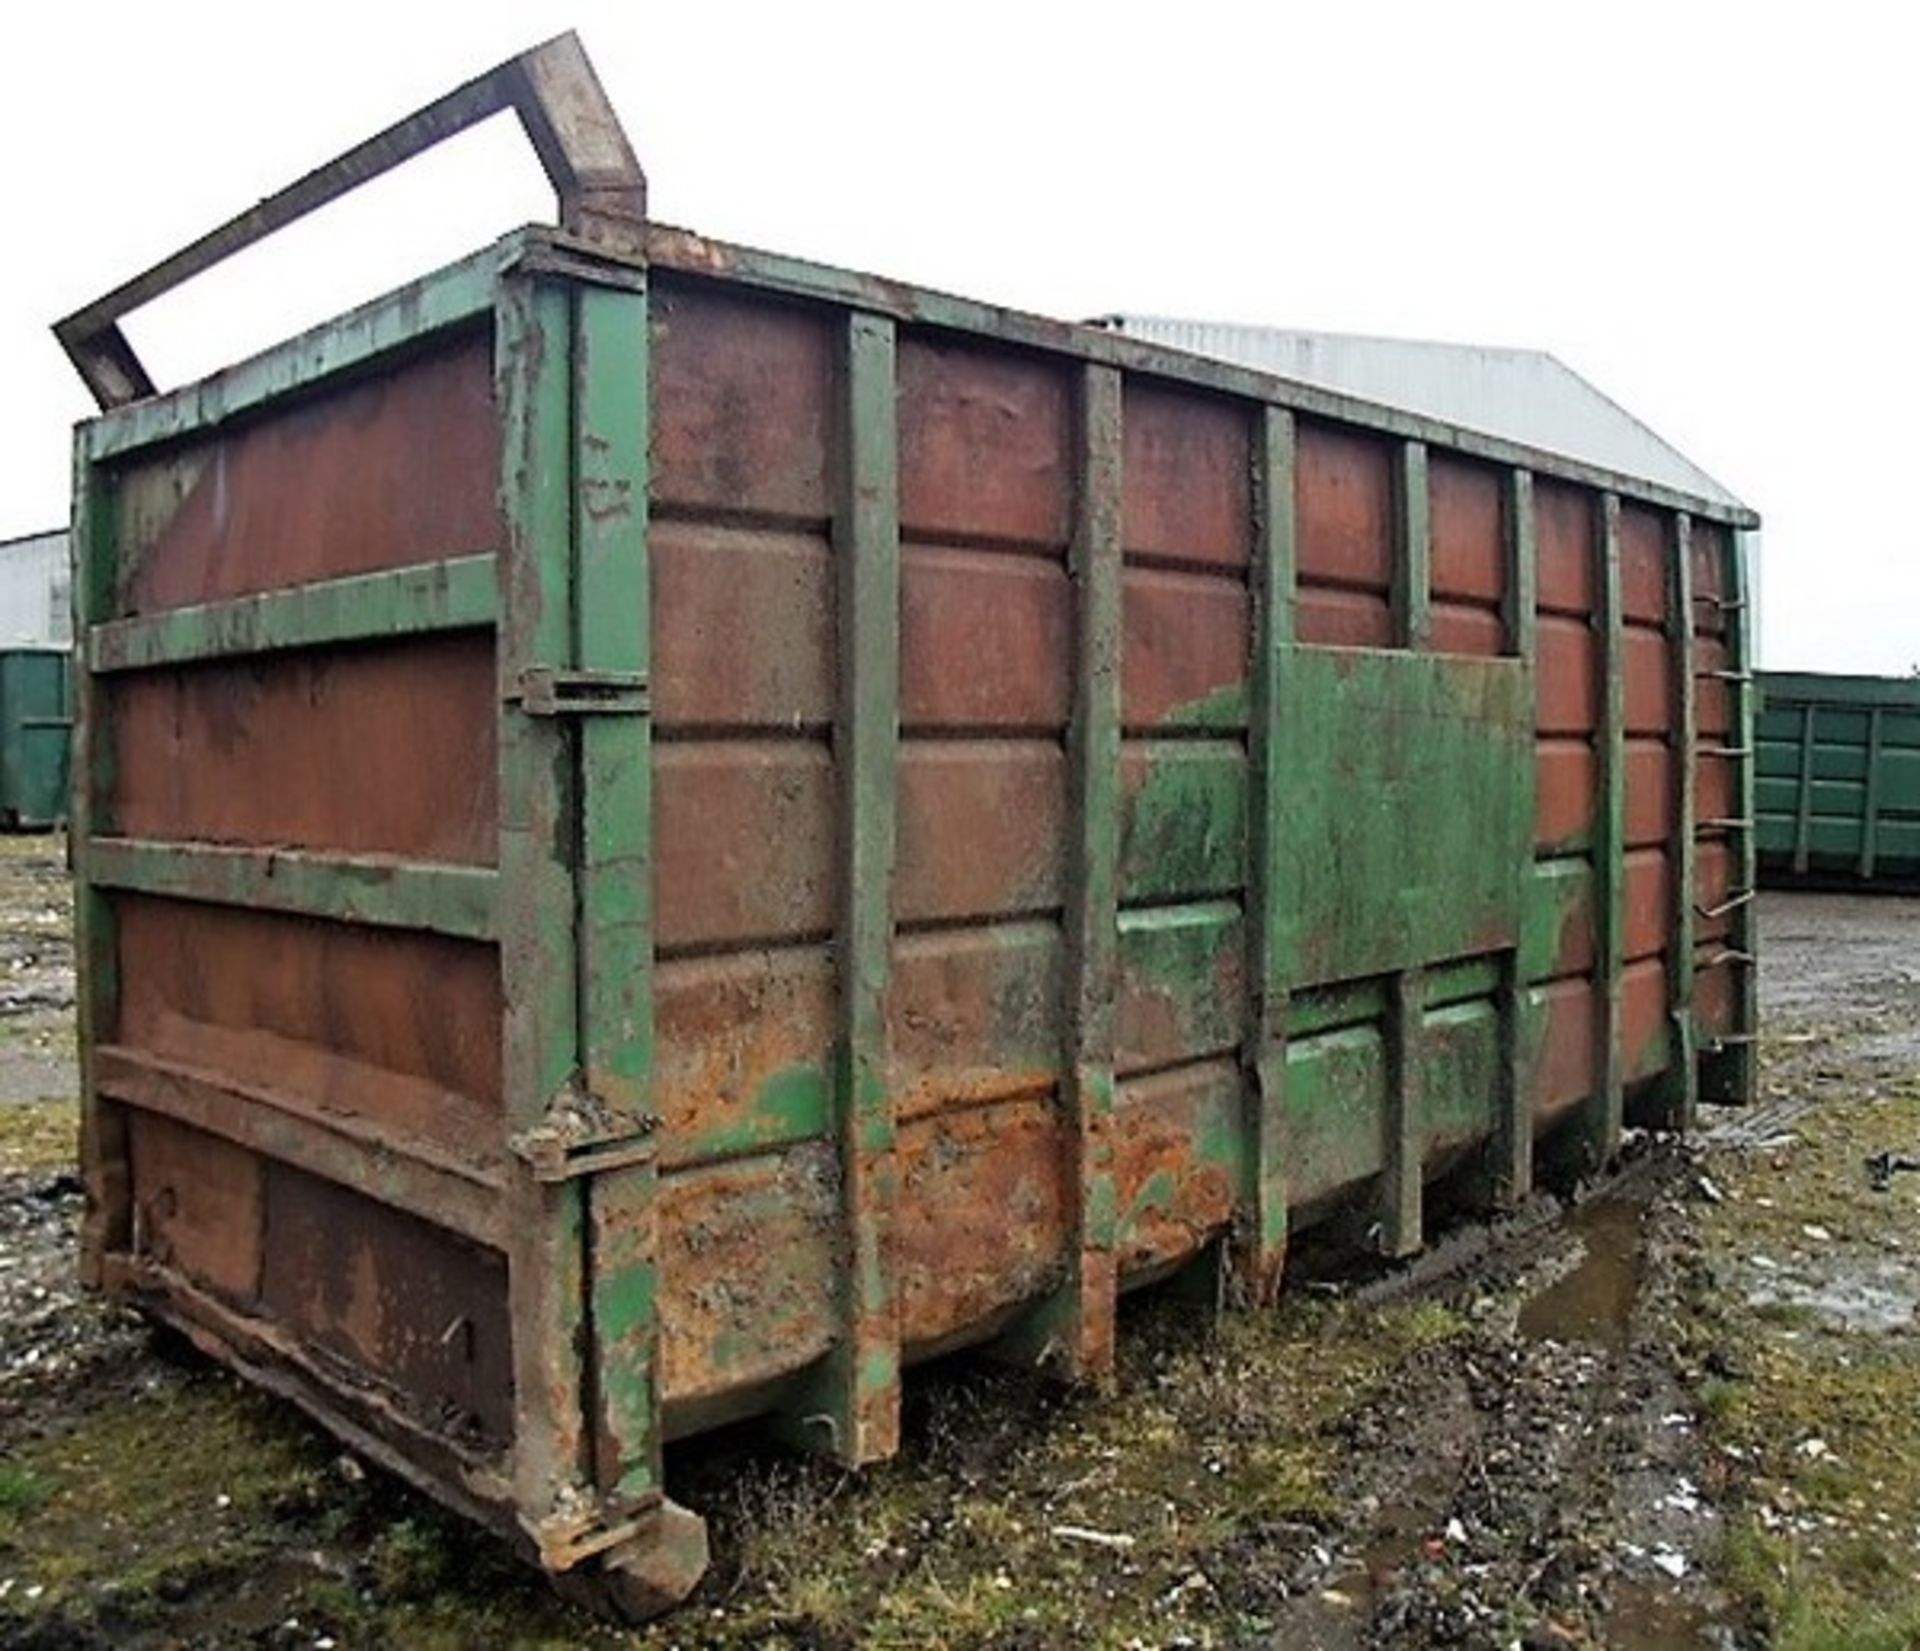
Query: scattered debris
1671,1561
1117,1540
1882,1167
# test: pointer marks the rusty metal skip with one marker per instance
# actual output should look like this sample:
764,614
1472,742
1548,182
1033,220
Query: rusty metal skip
663,831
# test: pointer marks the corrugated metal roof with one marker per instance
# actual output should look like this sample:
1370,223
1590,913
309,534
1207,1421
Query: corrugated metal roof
1521,395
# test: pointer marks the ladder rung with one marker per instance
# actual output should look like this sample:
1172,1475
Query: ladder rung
1732,903
1718,958
1736,1037
1725,676
1724,603
1723,825
1733,753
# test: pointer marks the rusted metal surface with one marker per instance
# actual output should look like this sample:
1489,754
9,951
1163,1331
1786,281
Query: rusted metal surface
412,723
381,473
664,832
421,1311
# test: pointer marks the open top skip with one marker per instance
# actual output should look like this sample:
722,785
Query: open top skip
663,831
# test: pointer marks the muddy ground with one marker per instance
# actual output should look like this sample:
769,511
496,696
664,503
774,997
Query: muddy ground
1683,1415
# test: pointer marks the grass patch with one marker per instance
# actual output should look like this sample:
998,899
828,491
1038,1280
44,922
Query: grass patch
1210,1435
22,1493
1823,1537
39,1137
197,1496
1811,1607
138,1490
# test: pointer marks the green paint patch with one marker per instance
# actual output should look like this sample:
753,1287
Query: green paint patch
1183,827
1157,1192
794,1102
791,1106
1558,893
1336,1096
1185,966
1219,1130
879,1371
1406,826
1473,977
1225,710
1460,1072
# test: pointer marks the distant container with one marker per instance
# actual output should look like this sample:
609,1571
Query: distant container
36,591
36,737
666,831
1838,787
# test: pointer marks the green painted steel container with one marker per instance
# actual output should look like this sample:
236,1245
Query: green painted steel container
36,737
667,831
1837,787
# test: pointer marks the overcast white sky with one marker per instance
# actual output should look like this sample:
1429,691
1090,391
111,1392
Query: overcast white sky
1706,209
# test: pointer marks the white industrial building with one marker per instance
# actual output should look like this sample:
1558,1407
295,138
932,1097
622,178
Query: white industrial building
36,591
1525,396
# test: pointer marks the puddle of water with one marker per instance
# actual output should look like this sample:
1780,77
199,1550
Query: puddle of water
1392,1545
1646,1617
1594,1302
1875,1297
1901,1047
1399,1532
262,1601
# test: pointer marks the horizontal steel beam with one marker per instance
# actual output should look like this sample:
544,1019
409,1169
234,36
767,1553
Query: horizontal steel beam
564,112
471,1482
350,1151
668,248
456,594
437,302
465,290
346,888
451,297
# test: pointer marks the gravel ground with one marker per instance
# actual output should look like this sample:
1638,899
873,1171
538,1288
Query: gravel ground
1556,1435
